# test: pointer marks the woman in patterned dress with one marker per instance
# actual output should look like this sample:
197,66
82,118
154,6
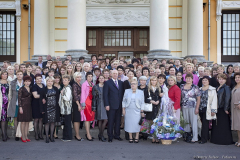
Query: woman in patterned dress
50,107
4,97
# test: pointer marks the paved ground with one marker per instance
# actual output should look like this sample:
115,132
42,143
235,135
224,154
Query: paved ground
116,150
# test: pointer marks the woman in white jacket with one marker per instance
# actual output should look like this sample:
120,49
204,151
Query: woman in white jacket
65,103
133,104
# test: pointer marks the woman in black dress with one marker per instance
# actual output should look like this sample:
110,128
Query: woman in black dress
154,89
221,129
36,113
76,93
25,108
49,107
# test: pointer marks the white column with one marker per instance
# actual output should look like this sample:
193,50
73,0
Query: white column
195,27
159,24
41,27
76,24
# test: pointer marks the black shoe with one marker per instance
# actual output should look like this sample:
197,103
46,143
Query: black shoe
88,139
47,140
130,140
157,142
102,139
16,138
36,138
136,140
201,142
119,138
55,137
52,139
41,138
109,140
78,139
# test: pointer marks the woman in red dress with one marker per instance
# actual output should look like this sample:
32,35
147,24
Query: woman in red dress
87,114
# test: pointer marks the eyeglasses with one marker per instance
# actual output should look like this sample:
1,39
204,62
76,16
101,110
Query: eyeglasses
134,84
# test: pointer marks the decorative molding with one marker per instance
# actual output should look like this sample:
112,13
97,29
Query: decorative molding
231,4
18,9
117,1
219,9
7,4
118,17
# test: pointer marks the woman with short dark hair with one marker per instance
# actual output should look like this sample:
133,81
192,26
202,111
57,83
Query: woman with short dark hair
221,129
36,113
25,108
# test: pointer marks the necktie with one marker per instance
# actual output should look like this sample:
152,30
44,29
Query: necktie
116,84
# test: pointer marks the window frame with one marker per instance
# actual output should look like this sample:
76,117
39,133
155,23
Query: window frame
229,58
11,58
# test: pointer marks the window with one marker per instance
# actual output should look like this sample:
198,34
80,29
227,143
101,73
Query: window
109,55
117,38
230,34
143,37
7,34
140,54
92,38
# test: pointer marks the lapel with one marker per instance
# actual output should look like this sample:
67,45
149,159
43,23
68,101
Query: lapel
113,83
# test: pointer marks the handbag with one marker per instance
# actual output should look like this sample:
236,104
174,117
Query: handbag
148,106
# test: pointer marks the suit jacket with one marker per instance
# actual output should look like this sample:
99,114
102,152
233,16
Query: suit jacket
179,70
112,95
139,98
44,64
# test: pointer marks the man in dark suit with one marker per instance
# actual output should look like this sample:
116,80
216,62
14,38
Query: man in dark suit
112,96
40,62
177,66
49,57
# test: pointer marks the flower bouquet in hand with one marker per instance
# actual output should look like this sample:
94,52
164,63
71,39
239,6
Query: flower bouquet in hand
165,126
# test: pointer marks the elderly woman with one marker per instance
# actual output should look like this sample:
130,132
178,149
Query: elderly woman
235,107
207,108
25,108
36,113
65,103
133,104
4,102
98,107
87,114
221,129
190,105
13,108
76,93
49,107
11,75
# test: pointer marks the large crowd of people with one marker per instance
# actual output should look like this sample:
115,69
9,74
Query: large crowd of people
112,93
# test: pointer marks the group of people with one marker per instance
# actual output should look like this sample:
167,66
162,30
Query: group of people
113,93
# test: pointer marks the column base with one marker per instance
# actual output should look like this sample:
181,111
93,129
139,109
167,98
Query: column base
35,59
76,53
199,58
160,54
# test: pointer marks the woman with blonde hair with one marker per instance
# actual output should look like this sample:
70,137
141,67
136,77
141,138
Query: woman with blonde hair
11,75
174,93
70,72
154,91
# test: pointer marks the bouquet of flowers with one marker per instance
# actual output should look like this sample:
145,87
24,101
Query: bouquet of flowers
165,126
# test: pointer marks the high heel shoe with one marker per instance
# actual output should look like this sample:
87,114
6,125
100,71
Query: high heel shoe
28,140
40,137
87,138
78,139
51,139
130,140
102,139
47,140
24,141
